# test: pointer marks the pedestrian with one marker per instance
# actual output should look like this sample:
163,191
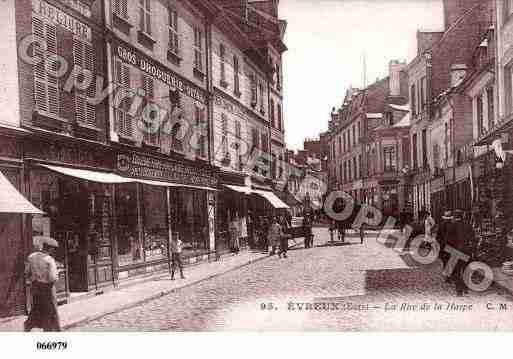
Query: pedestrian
234,234
284,244
42,274
429,224
341,231
176,256
333,226
274,235
442,237
362,233
461,238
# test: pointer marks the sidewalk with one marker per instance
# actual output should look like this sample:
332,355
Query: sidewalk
81,311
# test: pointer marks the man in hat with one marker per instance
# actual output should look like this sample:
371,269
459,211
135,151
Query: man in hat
442,236
41,271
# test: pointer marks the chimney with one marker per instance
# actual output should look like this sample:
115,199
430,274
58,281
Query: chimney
458,73
395,67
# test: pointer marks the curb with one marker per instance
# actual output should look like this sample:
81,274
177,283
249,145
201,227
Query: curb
82,321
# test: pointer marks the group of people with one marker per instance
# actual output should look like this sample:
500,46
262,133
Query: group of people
455,230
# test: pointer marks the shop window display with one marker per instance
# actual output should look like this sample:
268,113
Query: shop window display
190,219
130,246
156,233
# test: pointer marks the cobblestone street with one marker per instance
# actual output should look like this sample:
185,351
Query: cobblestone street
363,283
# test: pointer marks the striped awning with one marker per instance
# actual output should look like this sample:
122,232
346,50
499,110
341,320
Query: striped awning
12,201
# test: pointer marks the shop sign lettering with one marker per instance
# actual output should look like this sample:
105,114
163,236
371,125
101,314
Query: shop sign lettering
59,17
139,166
159,72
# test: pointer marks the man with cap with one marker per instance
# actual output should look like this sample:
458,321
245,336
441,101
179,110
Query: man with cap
41,271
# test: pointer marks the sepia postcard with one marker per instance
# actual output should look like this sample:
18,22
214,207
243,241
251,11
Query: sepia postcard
255,166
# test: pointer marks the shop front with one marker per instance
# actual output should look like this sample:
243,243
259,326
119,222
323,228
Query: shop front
233,211
166,199
15,210
74,187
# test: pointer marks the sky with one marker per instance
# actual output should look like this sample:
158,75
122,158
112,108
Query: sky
327,40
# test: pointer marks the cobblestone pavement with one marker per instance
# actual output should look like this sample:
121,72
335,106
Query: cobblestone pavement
363,283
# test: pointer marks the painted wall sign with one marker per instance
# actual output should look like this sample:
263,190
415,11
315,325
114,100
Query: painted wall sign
140,166
59,17
157,71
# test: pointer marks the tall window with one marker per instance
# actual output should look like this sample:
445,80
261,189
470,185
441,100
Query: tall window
224,134
46,86
415,151
199,114
424,148
238,136
491,108
360,167
255,138
123,119
174,44
121,8
343,149
280,118
271,113
264,142
389,159
254,91
413,96
480,114
145,16
198,48
354,135
84,57
354,168
150,130
261,94
236,84
422,93
278,77
446,145
222,59
436,156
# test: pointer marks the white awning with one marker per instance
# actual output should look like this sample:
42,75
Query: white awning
271,198
93,176
156,183
241,189
197,187
12,201
112,178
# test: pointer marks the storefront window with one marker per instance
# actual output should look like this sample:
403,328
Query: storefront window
130,245
190,218
154,212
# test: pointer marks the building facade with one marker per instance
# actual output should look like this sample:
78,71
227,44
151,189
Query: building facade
109,127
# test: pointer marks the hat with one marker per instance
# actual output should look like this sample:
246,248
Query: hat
447,215
40,241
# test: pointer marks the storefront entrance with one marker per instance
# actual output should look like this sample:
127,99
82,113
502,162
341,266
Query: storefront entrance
78,215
